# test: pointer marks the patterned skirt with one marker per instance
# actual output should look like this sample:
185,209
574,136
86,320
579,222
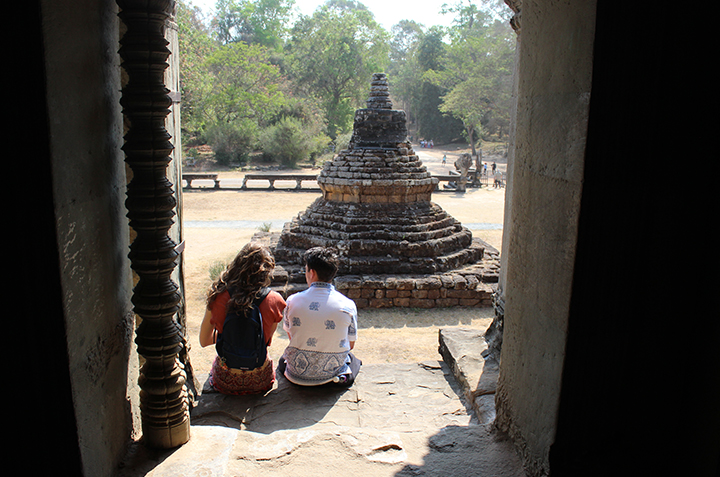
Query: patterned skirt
239,381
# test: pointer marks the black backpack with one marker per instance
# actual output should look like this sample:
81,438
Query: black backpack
242,342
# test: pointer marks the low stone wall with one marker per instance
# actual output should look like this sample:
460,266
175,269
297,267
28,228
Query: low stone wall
434,291
473,285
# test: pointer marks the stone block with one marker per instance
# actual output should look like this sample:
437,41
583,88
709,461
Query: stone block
405,284
401,302
419,293
373,281
428,283
367,293
447,281
447,302
380,303
421,303
391,283
351,293
460,282
348,281
462,294
472,281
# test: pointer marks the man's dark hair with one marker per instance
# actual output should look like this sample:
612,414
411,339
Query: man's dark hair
324,261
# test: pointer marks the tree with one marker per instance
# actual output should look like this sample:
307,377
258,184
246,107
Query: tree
244,84
260,22
432,123
195,46
477,71
333,54
402,71
244,96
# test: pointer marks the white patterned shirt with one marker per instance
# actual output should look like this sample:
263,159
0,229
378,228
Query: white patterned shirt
321,323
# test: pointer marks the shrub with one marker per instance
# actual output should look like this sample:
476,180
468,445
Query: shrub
288,142
232,142
216,268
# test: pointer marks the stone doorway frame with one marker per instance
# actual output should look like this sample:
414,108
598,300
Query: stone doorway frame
154,256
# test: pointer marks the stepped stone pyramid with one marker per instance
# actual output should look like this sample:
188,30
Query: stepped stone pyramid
376,207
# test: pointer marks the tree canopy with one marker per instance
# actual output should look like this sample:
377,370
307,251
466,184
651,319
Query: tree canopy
254,75
332,54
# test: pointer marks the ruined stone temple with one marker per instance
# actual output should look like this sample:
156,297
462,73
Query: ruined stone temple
376,207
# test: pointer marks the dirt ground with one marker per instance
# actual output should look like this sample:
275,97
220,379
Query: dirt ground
387,335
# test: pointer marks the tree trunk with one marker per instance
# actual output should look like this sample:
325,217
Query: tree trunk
471,140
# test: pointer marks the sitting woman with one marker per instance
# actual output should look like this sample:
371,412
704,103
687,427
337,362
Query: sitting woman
243,282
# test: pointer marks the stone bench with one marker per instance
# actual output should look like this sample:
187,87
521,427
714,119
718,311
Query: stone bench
189,177
298,178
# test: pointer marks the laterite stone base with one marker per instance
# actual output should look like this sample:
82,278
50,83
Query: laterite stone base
471,285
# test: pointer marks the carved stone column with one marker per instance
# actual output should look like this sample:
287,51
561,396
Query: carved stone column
164,401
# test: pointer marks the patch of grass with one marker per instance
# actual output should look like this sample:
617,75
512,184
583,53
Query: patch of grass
265,227
216,268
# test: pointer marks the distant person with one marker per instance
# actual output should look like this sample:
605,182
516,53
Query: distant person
322,326
245,281
444,161
494,168
498,179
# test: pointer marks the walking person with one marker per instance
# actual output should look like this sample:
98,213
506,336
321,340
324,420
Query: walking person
498,179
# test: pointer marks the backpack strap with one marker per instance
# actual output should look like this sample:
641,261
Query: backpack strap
261,295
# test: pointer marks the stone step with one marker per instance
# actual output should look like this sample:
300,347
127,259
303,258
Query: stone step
396,420
462,350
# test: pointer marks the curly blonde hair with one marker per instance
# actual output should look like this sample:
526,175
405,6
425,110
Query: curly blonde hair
244,277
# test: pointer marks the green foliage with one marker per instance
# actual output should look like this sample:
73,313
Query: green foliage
332,55
216,268
432,123
476,73
251,78
342,141
288,142
232,142
195,46
259,22
245,85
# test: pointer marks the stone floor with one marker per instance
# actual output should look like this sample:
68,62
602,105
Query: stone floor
431,418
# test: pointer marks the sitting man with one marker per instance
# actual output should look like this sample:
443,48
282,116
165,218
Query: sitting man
322,326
